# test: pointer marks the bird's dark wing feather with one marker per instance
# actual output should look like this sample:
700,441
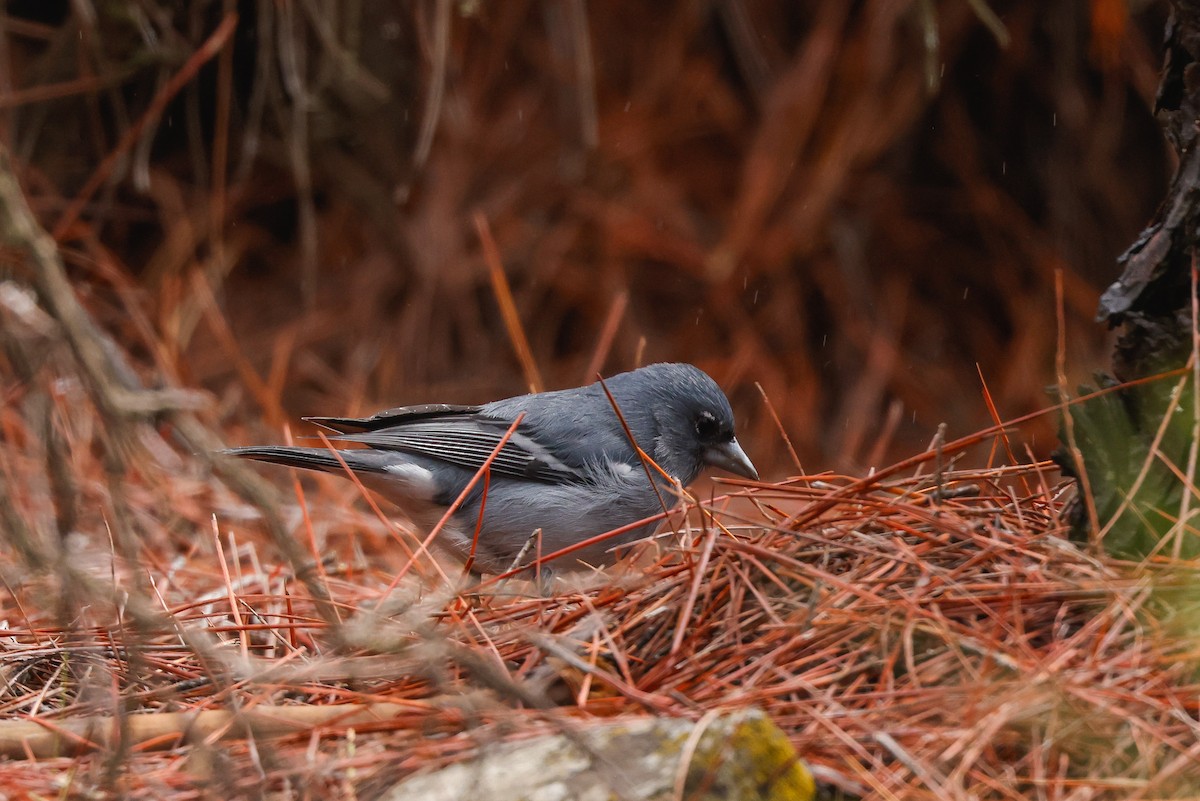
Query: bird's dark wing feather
462,437
399,416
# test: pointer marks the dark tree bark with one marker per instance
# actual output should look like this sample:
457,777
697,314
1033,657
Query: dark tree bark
1151,298
1129,448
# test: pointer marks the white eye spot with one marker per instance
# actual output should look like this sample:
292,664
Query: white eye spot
707,427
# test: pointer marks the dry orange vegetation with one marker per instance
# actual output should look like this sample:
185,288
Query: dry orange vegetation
851,215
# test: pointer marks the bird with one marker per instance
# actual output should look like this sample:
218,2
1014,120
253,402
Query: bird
568,471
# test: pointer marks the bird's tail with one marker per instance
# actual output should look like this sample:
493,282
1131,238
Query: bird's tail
360,461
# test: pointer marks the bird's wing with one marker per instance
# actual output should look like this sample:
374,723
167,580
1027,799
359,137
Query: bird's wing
399,416
457,435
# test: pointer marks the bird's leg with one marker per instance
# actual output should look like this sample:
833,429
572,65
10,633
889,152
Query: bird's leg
534,537
541,575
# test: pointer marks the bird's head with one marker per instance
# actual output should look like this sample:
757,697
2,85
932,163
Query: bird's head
694,422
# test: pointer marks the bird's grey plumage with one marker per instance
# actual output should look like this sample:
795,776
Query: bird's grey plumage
568,469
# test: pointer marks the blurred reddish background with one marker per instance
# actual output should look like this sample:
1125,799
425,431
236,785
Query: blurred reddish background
860,206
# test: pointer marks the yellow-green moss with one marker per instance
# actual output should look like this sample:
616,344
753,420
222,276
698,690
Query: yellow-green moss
753,761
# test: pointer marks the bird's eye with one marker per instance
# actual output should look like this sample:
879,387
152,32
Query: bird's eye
707,427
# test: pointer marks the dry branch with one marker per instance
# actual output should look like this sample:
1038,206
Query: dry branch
115,386
169,730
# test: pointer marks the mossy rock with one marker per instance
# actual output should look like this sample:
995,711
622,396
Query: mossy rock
738,756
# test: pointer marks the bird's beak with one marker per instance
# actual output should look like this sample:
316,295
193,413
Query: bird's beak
730,456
